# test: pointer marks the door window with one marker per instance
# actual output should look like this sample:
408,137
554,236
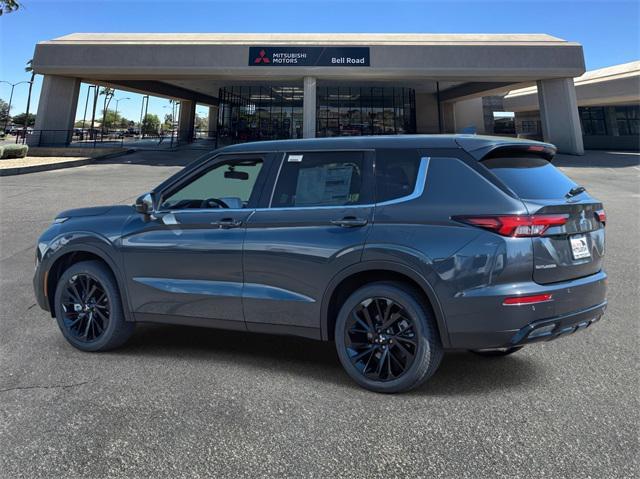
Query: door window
320,179
229,184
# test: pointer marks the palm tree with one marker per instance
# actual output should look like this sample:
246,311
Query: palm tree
29,69
8,6
108,95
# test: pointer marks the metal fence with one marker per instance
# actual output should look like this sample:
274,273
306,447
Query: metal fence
78,138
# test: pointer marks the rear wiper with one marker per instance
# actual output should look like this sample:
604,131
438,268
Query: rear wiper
575,191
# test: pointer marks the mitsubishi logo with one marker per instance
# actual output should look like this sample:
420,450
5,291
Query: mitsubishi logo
262,57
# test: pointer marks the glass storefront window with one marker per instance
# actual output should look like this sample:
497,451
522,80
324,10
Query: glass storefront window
354,111
628,120
253,113
593,120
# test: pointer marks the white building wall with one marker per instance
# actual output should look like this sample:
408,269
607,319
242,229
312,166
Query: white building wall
469,116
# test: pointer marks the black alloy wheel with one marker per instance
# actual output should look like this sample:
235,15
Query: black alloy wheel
380,339
86,307
387,338
89,309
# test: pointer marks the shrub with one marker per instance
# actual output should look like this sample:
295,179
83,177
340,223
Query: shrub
1,151
14,151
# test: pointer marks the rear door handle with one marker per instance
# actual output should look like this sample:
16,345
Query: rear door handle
227,223
349,222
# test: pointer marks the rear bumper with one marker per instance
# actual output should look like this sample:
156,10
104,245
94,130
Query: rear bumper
553,328
479,320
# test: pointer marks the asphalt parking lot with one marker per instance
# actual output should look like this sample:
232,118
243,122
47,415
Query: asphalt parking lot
204,403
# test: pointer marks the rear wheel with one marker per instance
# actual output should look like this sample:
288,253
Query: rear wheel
386,338
89,309
495,353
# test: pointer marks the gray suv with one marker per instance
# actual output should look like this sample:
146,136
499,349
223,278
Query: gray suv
395,248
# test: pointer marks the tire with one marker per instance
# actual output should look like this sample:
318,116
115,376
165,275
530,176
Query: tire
496,353
359,342
95,323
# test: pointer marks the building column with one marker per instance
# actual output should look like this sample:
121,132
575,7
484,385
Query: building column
56,111
186,120
309,108
448,117
559,115
213,121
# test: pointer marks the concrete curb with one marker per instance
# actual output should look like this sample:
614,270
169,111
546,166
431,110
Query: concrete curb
21,170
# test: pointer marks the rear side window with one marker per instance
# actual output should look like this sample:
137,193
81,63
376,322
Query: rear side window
530,177
396,173
320,179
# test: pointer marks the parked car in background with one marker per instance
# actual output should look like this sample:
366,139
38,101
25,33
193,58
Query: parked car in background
396,248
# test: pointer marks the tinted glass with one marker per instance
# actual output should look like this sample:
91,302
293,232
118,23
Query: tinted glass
320,179
531,178
232,180
355,110
396,173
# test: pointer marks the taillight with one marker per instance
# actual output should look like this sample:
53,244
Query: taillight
519,300
601,215
515,226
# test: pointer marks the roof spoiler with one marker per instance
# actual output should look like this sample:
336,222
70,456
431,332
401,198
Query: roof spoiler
515,148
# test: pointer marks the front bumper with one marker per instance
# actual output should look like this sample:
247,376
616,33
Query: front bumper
553,328
39,287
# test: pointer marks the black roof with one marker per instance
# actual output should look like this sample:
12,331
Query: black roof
476,145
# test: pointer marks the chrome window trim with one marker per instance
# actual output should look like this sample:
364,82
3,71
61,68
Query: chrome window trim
418,191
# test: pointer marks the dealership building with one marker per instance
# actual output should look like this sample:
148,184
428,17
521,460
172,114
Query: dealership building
608,105
275,86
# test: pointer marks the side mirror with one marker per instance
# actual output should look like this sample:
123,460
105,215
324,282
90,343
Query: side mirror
144,204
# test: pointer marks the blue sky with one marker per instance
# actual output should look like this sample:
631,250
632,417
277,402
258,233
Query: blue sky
608,30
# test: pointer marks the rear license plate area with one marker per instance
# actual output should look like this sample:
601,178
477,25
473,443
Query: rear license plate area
579,247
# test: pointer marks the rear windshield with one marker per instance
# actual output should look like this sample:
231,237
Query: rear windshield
530,178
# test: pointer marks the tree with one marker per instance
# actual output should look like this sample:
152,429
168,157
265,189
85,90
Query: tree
29,69
4,111
8,6
20,119
111,119
108,95
150,124
202,123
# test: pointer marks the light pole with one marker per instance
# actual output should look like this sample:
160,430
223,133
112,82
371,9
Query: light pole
118,100
86,104
13,85
145,100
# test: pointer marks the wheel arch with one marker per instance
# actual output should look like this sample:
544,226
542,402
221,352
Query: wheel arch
64,259
356,276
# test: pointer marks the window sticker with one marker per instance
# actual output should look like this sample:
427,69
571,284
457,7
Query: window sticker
294,158
326,185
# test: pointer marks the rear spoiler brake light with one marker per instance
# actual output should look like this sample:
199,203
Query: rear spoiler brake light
540,150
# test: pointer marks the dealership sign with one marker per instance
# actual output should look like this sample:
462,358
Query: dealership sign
309,56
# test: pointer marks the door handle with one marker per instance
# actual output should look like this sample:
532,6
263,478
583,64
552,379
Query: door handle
227,223
350,222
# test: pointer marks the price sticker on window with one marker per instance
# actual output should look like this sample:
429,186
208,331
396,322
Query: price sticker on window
294,158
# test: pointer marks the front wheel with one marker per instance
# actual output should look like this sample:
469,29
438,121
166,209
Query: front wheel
387,339
88,308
